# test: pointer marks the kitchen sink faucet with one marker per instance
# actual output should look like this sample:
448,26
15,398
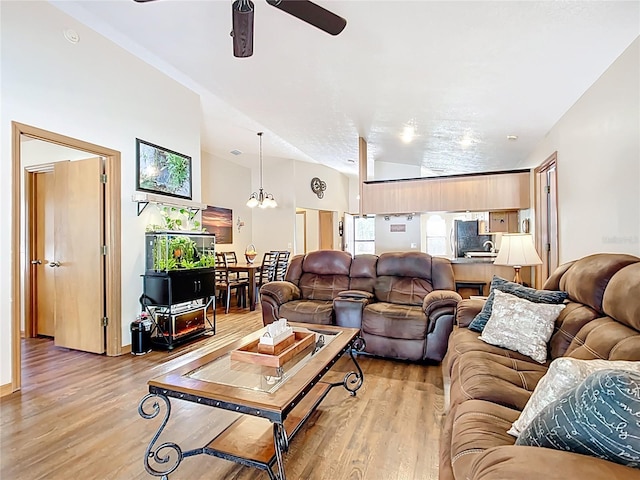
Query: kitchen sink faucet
492,249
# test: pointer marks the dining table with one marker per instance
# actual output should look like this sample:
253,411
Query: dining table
251,269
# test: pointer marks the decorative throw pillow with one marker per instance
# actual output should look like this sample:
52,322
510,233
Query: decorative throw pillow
598,418
564,374
531,294
521,325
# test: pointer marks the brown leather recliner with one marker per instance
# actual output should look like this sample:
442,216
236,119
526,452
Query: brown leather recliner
311,283
404,302
412,310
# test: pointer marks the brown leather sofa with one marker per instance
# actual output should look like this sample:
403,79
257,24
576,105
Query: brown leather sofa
404,302
489,385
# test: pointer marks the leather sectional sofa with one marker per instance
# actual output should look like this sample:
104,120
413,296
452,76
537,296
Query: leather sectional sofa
490,385
403,302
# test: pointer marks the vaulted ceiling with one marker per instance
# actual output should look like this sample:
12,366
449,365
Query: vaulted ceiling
465,75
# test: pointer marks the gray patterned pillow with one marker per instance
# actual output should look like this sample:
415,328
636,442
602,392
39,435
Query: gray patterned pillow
564,374
598,418
531,294
521,325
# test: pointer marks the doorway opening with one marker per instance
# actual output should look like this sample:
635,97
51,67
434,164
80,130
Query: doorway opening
22,233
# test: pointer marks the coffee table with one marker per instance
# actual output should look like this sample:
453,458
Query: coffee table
275,401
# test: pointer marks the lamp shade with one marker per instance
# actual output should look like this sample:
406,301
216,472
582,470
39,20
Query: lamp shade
517,250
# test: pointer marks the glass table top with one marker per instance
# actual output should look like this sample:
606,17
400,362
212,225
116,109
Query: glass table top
252,376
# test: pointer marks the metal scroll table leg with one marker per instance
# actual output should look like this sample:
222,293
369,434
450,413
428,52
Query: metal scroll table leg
353,380
281,444
162,455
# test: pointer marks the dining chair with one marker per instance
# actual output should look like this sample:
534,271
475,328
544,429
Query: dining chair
224,283
282,264
232,259
267,268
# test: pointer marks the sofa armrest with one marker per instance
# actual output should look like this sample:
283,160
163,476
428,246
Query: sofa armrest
348,307
533,463
467,311
356,294
281,291
440,301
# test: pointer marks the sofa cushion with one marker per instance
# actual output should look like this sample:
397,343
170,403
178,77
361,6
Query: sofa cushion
308,311
478,426
605,339
597,418
494,378
586,280
463,340
402,290
520,291
569,322
621,299
564,374
394,321
403,277
314,286
521,325
515,462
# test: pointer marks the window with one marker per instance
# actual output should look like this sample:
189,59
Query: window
364,235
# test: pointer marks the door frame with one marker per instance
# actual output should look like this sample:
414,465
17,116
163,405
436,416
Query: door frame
546,217
20,281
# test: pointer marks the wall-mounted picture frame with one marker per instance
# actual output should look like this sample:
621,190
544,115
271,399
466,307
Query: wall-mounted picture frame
219,220
163,171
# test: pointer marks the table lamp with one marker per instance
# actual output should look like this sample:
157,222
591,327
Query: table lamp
517,251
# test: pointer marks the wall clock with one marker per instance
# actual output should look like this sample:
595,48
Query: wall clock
318,187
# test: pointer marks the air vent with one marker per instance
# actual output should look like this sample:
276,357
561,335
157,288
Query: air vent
236,152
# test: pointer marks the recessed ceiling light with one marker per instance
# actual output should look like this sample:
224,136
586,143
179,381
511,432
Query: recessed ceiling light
236,152
71,35
467,141
408,132
512,137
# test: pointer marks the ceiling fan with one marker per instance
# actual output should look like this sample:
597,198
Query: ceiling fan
309,12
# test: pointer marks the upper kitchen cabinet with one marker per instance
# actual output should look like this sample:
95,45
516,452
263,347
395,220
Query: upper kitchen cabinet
458,193
505,221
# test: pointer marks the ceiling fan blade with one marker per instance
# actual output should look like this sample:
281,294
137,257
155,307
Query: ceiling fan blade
311,13
242,33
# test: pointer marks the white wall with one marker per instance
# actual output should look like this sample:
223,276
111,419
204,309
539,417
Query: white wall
97,92
388,241
598,145
392,171
227,184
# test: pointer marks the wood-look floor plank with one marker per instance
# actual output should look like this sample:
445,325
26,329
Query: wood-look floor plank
76,417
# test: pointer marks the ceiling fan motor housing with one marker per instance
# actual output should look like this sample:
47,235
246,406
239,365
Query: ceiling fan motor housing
242,33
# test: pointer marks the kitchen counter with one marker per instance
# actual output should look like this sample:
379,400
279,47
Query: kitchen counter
472,260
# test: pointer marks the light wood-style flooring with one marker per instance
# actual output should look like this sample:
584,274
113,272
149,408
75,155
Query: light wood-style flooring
76,418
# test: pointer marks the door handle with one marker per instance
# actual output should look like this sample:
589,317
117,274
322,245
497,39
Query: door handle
36,262
54,264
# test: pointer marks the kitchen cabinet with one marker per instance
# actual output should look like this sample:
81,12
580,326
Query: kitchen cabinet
505,221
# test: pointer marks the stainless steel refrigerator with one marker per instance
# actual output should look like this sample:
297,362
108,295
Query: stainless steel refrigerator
466,239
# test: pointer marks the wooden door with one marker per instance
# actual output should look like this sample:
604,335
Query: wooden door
79,276
326,229
43,294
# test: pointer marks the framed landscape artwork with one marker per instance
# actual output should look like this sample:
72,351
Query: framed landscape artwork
219,221
163,171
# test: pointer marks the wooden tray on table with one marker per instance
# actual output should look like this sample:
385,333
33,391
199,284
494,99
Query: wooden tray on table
252,352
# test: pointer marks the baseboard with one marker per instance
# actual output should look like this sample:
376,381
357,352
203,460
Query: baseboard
6,389
125,349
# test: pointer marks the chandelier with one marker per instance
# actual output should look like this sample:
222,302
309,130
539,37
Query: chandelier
261,199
